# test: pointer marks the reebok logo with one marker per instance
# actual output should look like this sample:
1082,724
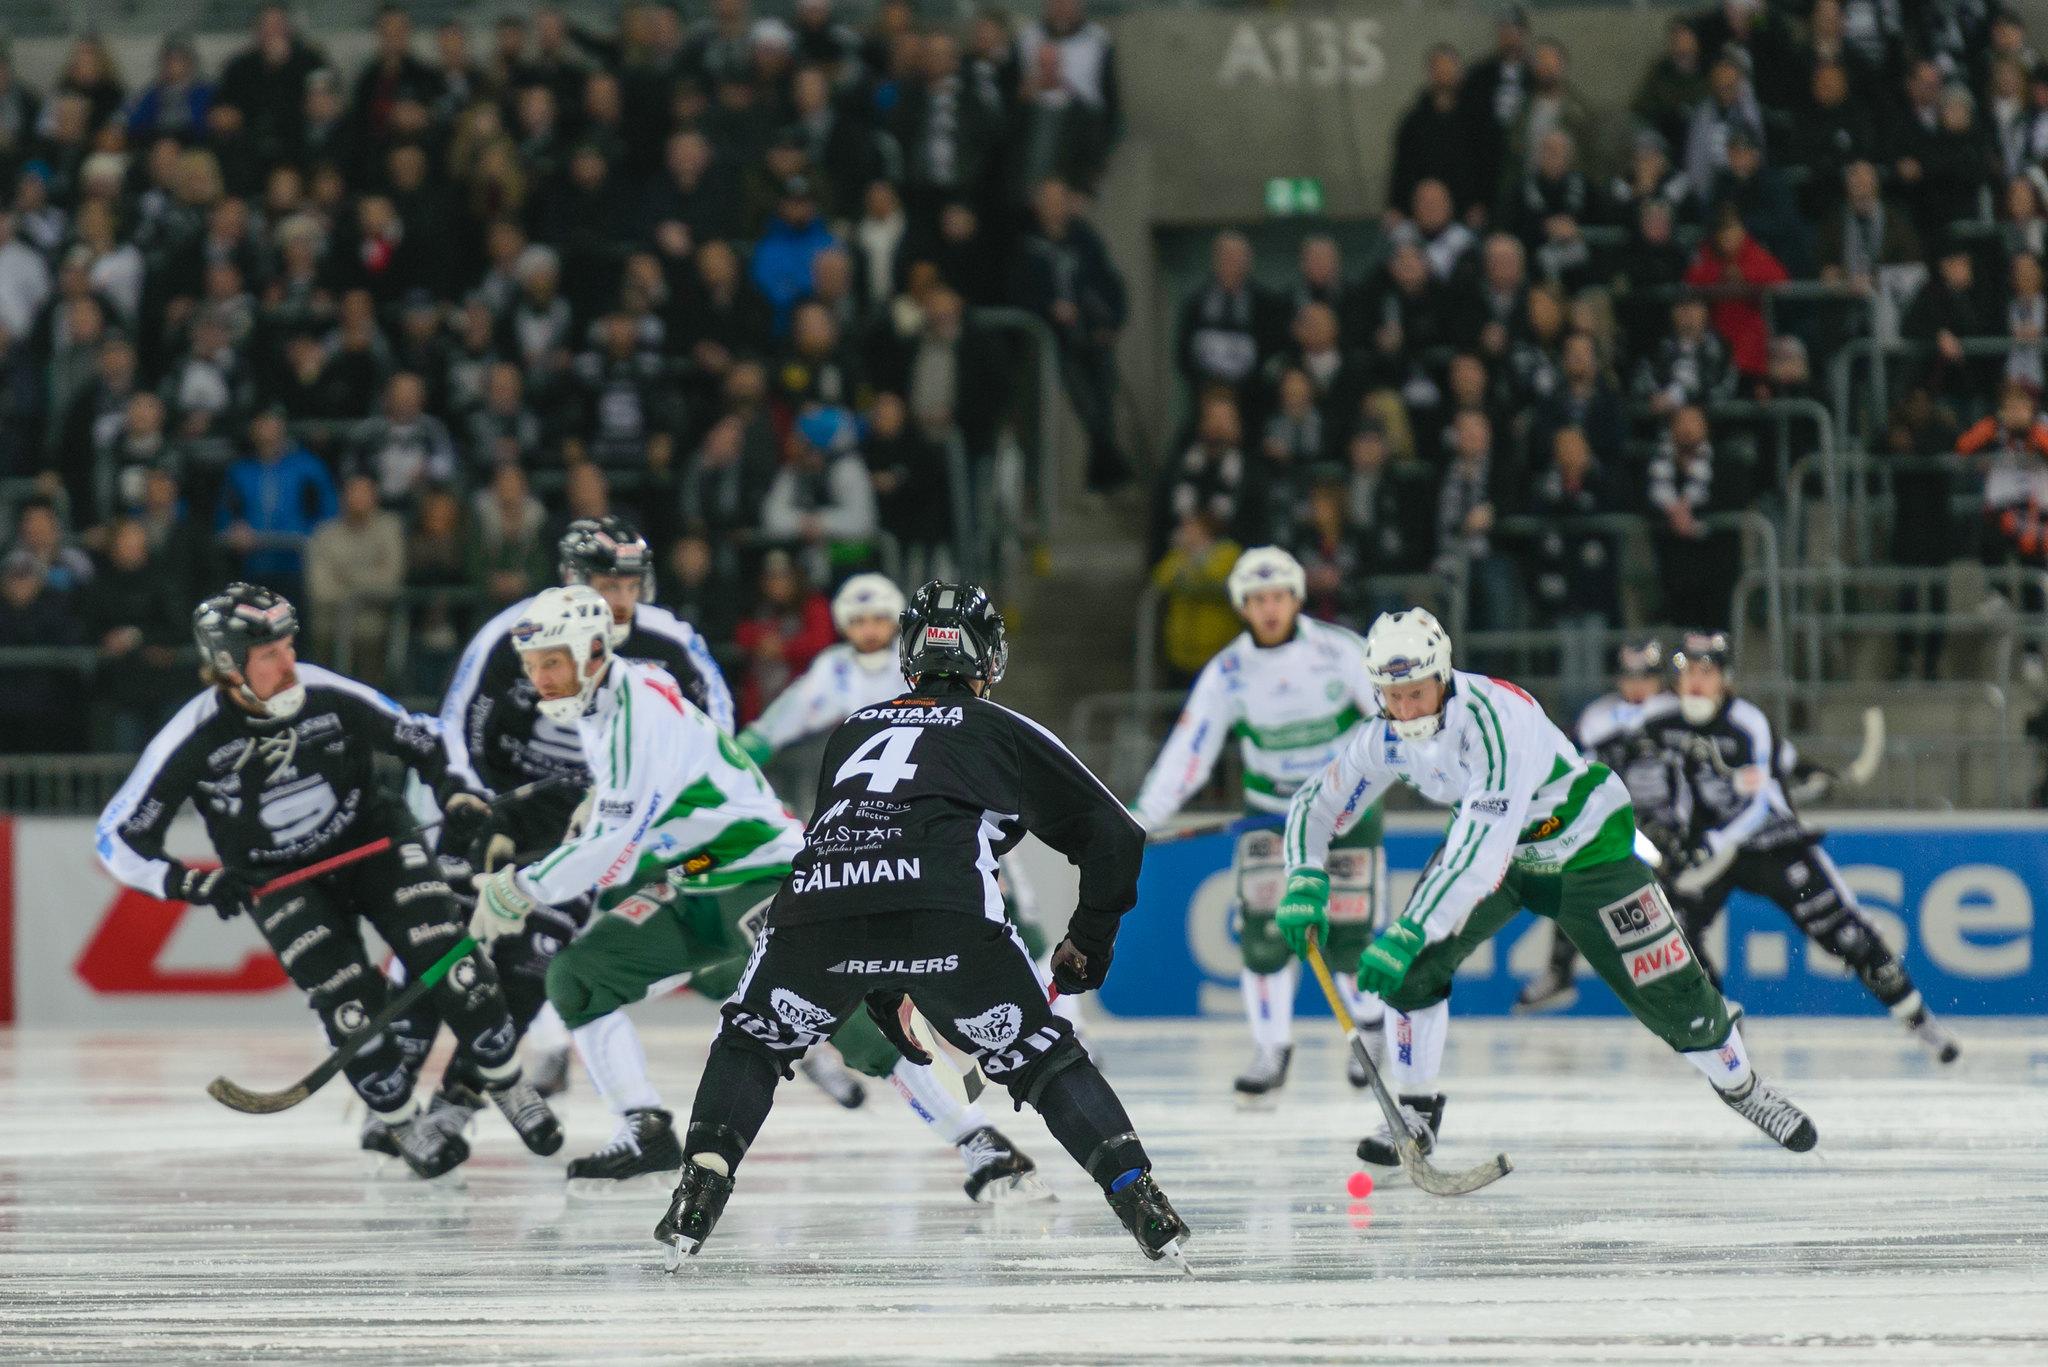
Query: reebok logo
945,965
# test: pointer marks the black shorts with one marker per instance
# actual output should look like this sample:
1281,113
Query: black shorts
971,977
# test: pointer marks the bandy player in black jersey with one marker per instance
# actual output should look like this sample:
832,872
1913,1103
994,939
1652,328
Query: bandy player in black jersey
894,896
277,757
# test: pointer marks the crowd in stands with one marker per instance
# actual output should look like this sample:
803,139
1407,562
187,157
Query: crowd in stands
373,336
1569,319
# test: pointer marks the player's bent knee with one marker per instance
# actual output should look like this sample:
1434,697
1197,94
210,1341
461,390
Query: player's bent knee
574,997
1027,1088
1264,951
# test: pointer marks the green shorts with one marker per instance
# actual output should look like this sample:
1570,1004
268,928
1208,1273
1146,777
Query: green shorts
660,937
1620,920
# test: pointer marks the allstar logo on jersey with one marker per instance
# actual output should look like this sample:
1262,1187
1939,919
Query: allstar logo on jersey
995,1028
802,1015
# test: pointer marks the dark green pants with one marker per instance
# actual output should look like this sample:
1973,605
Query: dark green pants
1619,919
703,939
1259,932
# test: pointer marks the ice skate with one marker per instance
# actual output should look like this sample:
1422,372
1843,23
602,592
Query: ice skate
644,1144
693,1211
530,1117
1268,1070
1425,1116
549,1071
1934,1035
1152,1221
1550,990
1764,1107
379,1136
429,1145
998,1171
1371,1036
824,1069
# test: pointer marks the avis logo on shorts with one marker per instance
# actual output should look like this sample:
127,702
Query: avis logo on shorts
995,1028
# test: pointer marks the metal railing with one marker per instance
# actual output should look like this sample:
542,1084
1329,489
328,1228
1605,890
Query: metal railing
61,785
1050,458
1877,356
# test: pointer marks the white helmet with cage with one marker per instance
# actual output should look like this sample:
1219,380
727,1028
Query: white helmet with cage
1266,567
1404,647
574,618
866,595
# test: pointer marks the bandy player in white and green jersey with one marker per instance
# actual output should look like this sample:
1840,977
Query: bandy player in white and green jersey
1534,824
685,847
1291,690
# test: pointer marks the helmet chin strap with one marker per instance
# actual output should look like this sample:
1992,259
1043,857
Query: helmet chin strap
279,706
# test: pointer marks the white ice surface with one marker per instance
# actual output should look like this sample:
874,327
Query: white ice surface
139,1221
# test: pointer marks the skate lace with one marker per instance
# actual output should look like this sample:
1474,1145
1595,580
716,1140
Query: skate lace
625,1140
522,1106
423,1136
1770,1112
982,1148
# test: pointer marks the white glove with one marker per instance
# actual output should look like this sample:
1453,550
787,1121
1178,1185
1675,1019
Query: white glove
1697,878
501,906
580,818
498,852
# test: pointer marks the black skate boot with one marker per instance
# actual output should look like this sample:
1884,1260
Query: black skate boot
825,1070
1934,1035
645,1143
998,1170
549,1072
1550,990
1774,1114
693,1212
1151,1219
429,1145
1268,1071
527,1112
380,1136
1425,1116
1370,1035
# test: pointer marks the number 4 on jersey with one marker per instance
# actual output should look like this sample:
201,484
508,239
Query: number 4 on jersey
886,769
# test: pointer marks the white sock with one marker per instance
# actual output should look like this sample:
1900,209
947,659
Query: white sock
1269,1004
547,1034
610,1049
934,1103
1414,1050
1726,1067
1365,1007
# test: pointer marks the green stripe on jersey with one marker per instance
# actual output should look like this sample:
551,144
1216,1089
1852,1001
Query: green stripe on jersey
1299,735
1448,873
1496,776
1567,811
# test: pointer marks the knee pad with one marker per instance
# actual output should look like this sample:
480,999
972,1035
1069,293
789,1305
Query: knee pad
1259,941
1029,1087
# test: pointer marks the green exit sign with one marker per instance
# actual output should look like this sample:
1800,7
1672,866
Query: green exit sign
1294,195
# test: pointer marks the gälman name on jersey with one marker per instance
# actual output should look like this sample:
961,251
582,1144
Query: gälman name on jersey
831,877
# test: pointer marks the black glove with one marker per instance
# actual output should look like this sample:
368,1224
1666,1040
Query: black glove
227,892
885,1009
465,820
1081,961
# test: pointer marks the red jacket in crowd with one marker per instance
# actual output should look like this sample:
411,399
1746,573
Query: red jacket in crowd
1739,318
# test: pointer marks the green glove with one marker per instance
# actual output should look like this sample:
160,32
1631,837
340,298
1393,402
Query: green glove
1385,962
755,745
1304,907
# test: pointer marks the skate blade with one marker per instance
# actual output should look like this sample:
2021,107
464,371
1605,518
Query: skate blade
1172,1254
604,1188
1258,1101
1022,1190
1562,1001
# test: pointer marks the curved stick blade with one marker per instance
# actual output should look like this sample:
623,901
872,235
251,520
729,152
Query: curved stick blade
238,1098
